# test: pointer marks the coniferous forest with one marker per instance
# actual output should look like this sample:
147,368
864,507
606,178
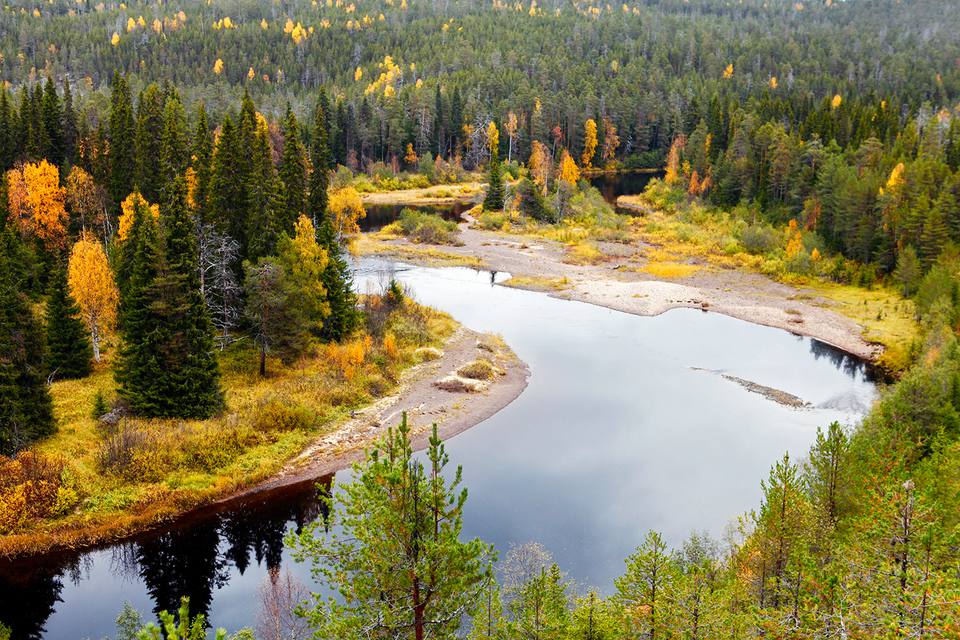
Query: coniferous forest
183,184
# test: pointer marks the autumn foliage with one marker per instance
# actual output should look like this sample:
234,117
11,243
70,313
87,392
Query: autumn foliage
36,202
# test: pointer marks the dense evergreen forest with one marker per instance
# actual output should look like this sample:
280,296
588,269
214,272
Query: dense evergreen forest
180,175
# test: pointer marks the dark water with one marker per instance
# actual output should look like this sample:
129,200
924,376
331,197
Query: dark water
614,185
617,433
380,215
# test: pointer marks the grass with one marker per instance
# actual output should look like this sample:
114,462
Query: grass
583,252
181,464
538,283
437,194
670,270
366,244
424,227
888,319
480,369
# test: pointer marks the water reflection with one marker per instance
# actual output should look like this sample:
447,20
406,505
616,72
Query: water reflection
196,558
380,215
619,431
613,185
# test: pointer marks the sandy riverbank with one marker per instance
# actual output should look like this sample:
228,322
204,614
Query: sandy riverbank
425,404
618,283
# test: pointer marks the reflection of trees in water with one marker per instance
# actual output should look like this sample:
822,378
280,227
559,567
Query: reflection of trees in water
850,365
183,562
192,560
27,601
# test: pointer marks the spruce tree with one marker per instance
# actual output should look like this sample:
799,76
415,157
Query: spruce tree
69,139
494,198
292,172
68,343
201,158
264,203
174,145
122,141
336,278
26,409
167,366
53,123
148,143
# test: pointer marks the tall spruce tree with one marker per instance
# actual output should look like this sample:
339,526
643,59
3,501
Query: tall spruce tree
26,409
68,343
292,172
264,206
149,133
69,139
167,366
53,123
494,198
337,279
122,141
200,161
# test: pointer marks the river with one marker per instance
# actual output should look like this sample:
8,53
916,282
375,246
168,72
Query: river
627,425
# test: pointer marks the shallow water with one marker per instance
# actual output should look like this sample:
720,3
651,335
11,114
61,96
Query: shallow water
619,431
624,183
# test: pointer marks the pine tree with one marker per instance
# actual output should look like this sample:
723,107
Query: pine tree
292,172
227,199
122,141
401,521
322,162
26,409
68,343
167,366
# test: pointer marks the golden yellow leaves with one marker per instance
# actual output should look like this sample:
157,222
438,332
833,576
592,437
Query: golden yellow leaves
347,208
836,102
92,285
218,66
36,202
115,39
251,74
773,82
795,240
569,171
263,24
728,72
127,209
589,142
895,181
493,138
223,23
358,74
390,75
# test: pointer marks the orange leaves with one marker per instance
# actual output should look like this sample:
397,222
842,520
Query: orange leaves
36,202
127,208
30,485
349,356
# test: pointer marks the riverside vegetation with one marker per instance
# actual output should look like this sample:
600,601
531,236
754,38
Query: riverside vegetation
198,262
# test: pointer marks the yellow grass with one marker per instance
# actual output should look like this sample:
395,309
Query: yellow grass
670,270
537,283
437,194
583,252
267,422
366,244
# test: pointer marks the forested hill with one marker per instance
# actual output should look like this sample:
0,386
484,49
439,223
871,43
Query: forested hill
650,67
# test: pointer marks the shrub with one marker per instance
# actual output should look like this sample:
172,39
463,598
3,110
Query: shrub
427,228
29,487
280,415
759,239
480,369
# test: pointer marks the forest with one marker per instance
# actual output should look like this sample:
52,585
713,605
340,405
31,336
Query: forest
182,185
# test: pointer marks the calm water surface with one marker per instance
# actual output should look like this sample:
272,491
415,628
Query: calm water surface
618,432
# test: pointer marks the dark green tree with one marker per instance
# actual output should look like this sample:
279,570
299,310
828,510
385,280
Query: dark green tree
26,409
123,151
292,172
167,366
495,193
68,343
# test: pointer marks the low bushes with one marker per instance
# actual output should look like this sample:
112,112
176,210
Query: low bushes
426,228
32,486
480,369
